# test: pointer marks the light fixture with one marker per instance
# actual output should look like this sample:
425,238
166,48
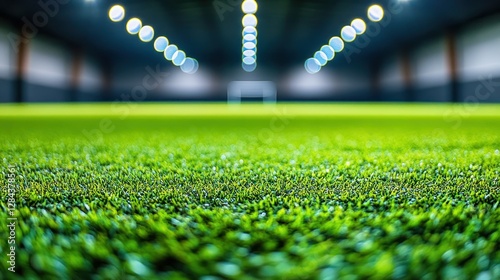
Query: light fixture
375,13
116,13
348,34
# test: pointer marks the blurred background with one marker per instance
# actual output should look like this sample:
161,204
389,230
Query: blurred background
423,51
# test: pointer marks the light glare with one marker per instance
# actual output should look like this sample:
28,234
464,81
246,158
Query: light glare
348,34
134,25
146,34
249,7
249,52
359,25
249,68
248,60
312,66
249,30
328,51
117,13
170,51
249,20
161,43
375,13
321,58
249,46
179,58
190,66
337,44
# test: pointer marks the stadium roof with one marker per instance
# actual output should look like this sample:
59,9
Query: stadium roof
289,30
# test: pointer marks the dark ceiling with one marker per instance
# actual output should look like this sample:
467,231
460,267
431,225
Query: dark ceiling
289,30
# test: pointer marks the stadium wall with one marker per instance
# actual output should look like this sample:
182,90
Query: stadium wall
348,83
391,80
6,65
48,73
478,63
430,72
478,48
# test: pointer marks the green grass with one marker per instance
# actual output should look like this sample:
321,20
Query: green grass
288,192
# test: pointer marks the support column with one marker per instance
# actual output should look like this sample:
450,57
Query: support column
76,73
375,82
407,80
451,53
21,68
106,77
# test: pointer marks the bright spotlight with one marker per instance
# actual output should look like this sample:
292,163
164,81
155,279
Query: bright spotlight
248,60
134,25
321,58
337,44
249,30
359,25
161,43
190,66
179,58
249,38
146,34
375,13
249,7
328,51
245,41
249,53
252,56
249,68
249,41
249,46
170,51
312,66
249,20
117,13
348,34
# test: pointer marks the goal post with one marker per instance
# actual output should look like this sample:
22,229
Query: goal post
237,90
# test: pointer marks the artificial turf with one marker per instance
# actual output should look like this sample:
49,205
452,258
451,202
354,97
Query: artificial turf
293,191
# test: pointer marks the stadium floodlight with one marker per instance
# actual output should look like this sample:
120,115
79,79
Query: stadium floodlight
134,25
250,38
249,6
337,44
359,25
249,60
249,30
245,41
117,13
321,58
146,34
348,34
190,66
170,51
375,13
251,52
249,33
249,46
249,20
179,58
161,43
251,56
249,68
328,51
312,66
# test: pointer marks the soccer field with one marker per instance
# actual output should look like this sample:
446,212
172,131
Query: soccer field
292,191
